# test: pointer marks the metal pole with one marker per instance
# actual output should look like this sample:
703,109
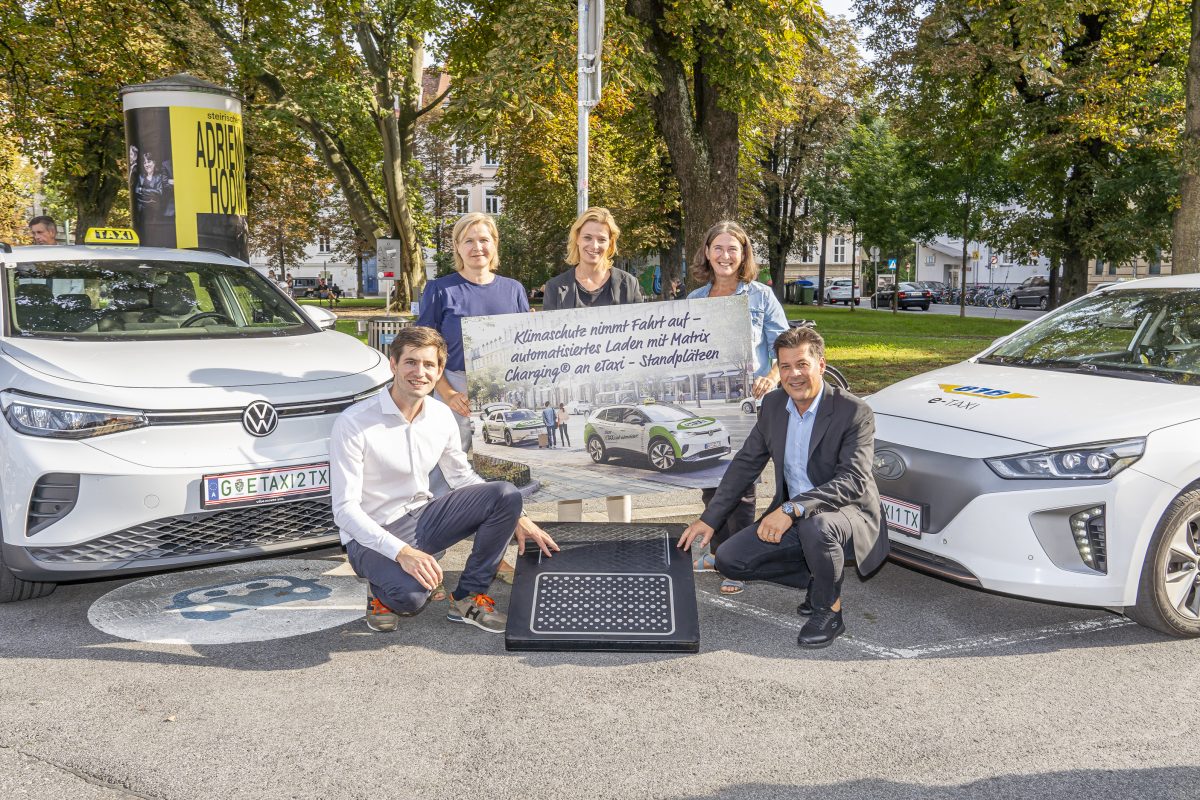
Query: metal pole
581,189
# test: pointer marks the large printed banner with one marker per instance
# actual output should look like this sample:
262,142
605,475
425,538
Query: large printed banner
654,395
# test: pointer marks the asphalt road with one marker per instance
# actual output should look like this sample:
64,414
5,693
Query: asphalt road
1024,314
936,691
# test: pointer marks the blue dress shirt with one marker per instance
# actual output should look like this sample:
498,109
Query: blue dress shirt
799,435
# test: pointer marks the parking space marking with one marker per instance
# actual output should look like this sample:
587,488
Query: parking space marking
950,647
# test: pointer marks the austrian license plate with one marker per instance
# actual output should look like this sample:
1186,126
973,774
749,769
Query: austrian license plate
907,518
714,445
256,487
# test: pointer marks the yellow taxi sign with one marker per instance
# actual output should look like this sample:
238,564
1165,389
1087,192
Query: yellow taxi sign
110,236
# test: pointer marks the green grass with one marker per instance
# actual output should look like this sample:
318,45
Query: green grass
874,350
349,326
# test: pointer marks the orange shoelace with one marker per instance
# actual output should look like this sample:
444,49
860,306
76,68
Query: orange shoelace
378,607
486,602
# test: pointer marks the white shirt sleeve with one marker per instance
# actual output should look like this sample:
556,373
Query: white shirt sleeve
346,484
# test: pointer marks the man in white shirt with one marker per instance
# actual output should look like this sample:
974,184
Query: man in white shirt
381,452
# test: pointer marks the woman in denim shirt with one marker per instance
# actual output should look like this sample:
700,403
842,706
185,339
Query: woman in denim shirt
726,263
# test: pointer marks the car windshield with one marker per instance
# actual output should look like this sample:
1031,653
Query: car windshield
518,416
664,413
145,300
1148,334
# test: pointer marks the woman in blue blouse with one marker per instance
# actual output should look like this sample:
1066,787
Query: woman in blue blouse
726,264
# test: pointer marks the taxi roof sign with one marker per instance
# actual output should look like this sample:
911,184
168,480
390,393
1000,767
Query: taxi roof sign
111,236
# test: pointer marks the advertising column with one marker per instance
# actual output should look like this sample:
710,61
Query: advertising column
187,171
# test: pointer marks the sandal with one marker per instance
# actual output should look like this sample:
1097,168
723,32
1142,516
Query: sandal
705,563
506,572
730,586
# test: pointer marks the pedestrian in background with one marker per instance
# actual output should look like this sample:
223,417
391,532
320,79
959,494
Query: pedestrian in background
550,420
43,230
561,419
726,264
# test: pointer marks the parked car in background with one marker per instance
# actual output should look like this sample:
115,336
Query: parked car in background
304,287
579,407
938,291
513,427
1063,462
163,408
666,435
1034,292
839,291
908,295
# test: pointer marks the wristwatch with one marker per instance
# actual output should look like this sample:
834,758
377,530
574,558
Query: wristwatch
792,510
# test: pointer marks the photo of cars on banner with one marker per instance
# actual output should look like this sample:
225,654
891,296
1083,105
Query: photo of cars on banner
651,394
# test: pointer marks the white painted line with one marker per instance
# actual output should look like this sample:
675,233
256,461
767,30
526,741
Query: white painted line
951,647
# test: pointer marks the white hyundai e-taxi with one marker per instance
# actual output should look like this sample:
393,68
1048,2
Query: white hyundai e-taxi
161,408
1063,463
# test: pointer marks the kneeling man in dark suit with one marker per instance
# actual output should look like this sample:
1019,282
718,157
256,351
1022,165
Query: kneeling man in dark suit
822,440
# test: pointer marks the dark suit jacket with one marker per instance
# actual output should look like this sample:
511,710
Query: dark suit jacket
561,292
839,465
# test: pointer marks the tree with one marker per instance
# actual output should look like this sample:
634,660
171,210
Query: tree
786,151
18,183
348,75
699,66
1185,237
1090,93
62,71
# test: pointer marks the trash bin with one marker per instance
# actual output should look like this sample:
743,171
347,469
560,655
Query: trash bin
791,292
806,295
381,331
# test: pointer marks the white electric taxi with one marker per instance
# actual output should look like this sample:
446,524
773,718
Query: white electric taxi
161,408
1062,463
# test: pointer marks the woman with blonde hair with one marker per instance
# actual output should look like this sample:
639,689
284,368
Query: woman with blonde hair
593,281
726,265
474,290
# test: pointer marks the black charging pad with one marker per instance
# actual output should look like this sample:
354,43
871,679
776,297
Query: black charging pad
620,587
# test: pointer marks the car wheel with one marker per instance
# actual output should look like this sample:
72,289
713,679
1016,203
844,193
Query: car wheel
1013,303
595,448
508,438
486,439
857,300
748,407
1168,597
661,454
1043,303
874,302
925,306
13,588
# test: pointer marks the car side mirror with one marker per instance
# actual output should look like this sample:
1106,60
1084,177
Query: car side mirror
323,318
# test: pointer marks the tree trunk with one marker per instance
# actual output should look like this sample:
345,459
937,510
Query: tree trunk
670,260
94,192
1185,237
701,137
821,265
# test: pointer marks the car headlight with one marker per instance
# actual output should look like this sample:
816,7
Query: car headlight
1101,460
60,419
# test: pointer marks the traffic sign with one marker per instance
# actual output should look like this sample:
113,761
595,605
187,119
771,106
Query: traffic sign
892,264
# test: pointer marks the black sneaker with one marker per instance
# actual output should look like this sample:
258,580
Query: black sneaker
821,629
380,617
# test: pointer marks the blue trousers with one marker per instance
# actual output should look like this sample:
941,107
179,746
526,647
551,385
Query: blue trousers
810,555
487,511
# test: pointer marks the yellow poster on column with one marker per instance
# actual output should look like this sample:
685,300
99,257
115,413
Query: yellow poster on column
210,179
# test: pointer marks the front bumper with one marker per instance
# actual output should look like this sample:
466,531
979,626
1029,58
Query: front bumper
1014,536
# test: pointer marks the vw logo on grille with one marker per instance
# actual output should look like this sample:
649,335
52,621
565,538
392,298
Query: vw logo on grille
259,418
888,465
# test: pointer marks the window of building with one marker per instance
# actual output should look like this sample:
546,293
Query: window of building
1156,263
323,244
462,201
462,155
1112,267
490,157
839,249
1099,266
491,201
